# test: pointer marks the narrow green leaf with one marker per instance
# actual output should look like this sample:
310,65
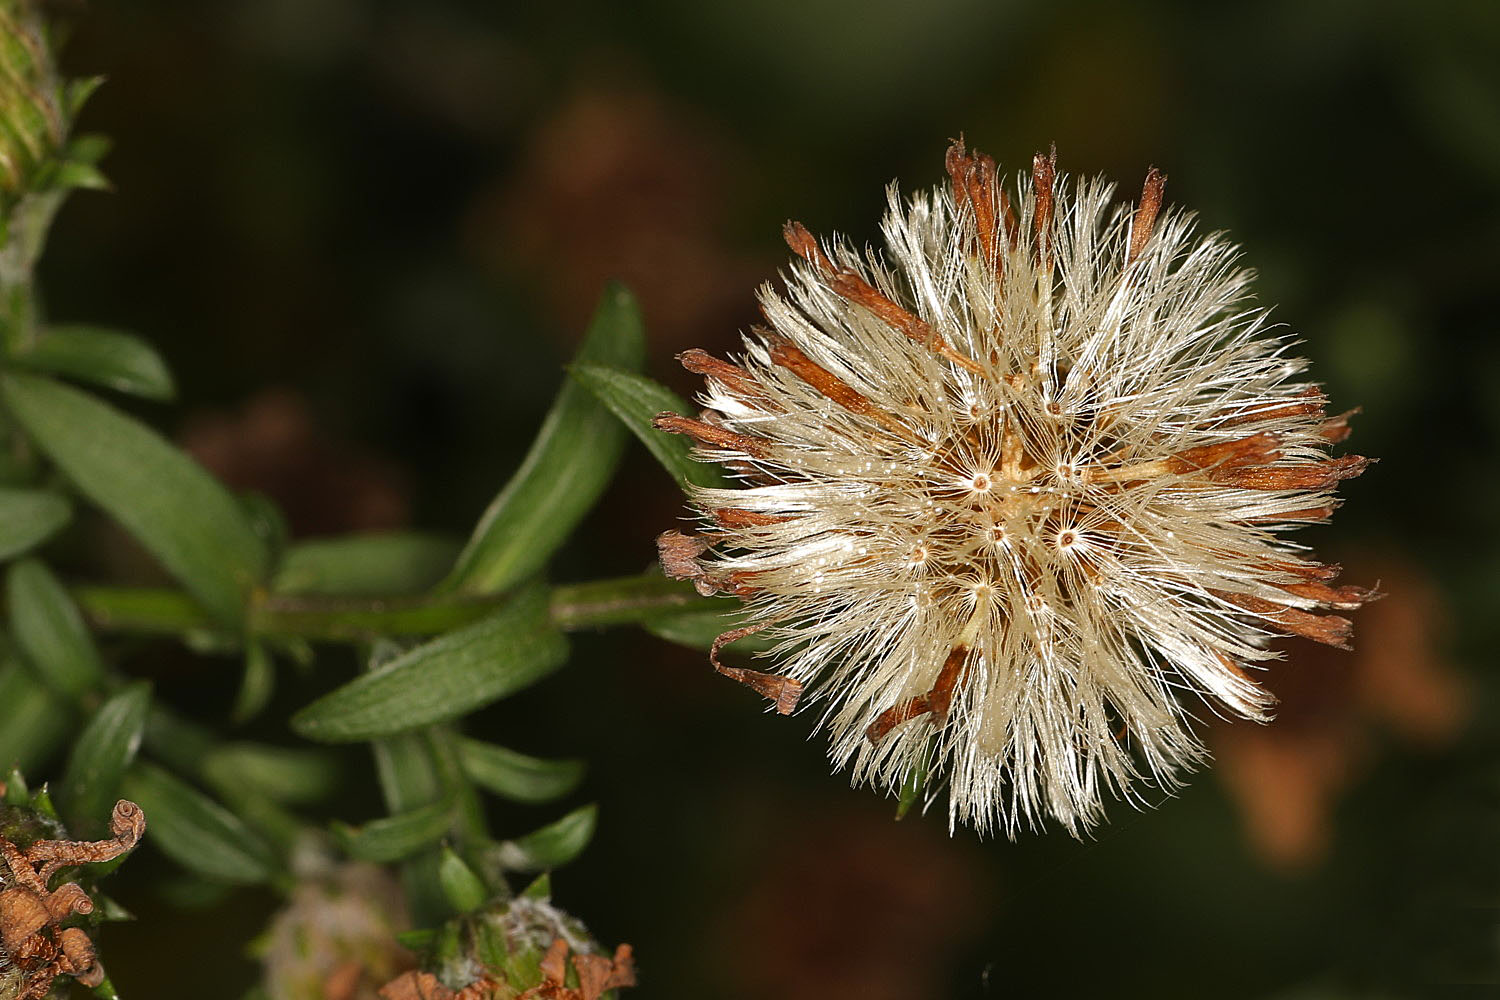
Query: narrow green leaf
72,174
915,785
171,505
554,844
194,830
257,683
41,801
366,565
515,775
399,836
50,630
33,720
282,774
77,91
16,792
540,888
110,358
464,890
409,778
699,628
30,517
108,910
636,400
177,742
569,464
443,679
100,757
417,940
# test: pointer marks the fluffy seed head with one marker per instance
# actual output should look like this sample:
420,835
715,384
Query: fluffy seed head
1012,493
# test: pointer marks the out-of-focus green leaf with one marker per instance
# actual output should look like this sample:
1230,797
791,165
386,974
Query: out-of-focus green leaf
465,890
33,720
194,830
554,844
16,792
540,887
166,500
111,358
76,93
407,768
569,464
698,629
636,400
417,940
280,773
267,522
399,836
443,679
101,755
257,683
50,630
515,775
109,911
30,517
366,565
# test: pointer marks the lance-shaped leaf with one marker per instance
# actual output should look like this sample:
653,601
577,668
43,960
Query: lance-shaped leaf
700,626
443,679
554,844
366,565
186,518
280,773
464,890
101,755
409,778
194,830
399,836
257,683
569,464
29,517
515,775
35,719
111,358
50,630
635,400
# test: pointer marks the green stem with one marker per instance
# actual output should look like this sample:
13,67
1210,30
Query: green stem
159,611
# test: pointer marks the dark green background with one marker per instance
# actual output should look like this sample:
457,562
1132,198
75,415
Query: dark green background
394,218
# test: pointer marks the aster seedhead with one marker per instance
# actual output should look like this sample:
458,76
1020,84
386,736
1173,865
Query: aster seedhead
1012,495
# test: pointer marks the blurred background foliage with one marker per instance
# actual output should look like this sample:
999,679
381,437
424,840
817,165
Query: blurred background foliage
367,233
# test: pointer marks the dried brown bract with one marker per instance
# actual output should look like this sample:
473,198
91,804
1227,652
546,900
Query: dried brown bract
31,913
